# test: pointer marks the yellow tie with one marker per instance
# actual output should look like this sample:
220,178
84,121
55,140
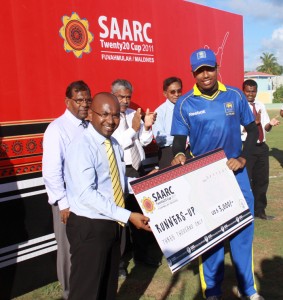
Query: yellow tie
114,173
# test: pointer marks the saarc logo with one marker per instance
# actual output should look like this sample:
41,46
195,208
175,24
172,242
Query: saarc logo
77,37
148,204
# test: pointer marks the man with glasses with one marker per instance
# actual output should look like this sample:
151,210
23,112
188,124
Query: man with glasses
56,139
95,177
172,90
133,134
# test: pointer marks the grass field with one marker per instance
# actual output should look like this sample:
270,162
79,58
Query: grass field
159,284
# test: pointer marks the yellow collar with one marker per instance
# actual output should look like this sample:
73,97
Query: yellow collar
221,87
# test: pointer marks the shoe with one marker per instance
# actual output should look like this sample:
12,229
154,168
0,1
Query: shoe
255,296
122,273
214,298
263,216
237,293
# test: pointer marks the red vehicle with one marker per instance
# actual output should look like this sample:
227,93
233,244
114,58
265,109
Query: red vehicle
48,44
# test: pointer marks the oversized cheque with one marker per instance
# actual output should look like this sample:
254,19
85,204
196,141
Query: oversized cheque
192,207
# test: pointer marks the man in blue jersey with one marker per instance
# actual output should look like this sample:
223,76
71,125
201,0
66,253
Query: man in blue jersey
211,114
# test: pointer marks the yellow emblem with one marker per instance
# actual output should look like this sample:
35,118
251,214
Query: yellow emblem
76,35
147,204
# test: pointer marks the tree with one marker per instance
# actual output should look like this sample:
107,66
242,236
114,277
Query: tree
270,64
278,95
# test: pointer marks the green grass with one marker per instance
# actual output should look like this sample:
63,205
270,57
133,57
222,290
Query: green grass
159,284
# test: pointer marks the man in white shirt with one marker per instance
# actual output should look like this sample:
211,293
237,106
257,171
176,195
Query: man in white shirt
281,111
133,134
56,139
258,161
172,90
132,131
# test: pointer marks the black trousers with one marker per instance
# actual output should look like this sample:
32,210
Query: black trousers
95,256
258,170
165,156
145,247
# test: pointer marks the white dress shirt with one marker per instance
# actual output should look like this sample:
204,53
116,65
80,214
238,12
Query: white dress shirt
162,126
126,137
57,137
88,181
264,119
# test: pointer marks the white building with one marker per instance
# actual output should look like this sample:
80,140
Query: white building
266,85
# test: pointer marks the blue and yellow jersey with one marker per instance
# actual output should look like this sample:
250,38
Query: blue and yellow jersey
212,121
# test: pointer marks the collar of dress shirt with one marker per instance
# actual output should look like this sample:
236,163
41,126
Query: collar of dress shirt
170,104
72,118
96,135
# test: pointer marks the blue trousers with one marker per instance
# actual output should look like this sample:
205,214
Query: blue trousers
212,262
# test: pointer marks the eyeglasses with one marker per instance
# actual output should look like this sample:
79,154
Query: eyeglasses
173,92
80,101
106,115
121,97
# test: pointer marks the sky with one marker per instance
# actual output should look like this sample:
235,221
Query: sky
262,24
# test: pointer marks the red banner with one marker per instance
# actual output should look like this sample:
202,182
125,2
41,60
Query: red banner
48,44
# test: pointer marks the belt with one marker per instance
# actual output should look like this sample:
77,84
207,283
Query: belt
165,147
131,167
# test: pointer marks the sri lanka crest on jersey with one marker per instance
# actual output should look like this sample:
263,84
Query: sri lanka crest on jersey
229,108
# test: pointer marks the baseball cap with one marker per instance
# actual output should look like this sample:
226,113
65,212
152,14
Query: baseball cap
202,57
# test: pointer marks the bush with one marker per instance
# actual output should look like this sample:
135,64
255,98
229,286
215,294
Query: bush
278,95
